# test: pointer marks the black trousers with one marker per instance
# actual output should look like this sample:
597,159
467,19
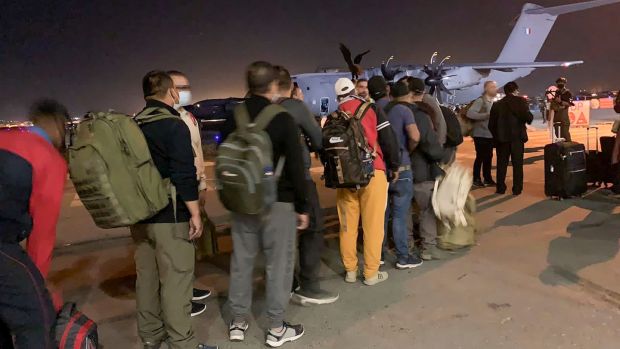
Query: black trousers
484,158
311,242
510,151
26,310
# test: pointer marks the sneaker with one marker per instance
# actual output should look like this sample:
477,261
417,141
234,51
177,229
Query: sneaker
318,297
351,277
289,333
409,262
380,277
204,346
489,183
200,294
236,331
478,184
431,252
198,308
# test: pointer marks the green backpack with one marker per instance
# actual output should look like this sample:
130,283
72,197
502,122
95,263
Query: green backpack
112,169
246,179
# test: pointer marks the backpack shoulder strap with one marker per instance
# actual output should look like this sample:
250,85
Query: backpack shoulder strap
361,111
266,115
153,114
242,117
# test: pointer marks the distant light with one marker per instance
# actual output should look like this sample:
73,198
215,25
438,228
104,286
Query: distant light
594,95
525,96
198,105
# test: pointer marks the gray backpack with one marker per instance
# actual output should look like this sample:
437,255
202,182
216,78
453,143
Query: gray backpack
246,178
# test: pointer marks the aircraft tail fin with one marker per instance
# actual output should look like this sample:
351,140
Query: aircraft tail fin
533,27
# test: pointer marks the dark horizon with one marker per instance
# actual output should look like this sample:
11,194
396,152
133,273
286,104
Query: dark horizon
92,56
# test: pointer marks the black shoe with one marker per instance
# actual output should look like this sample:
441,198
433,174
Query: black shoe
198,308
516,193
318,297
289,333
200,294
409,262
478,183
489,183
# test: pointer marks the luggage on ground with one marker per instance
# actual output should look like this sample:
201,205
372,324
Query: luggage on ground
453,237
112,169
247,181
454,134
347,157
467,124
565,169
74,330
608,172
450,195
594,163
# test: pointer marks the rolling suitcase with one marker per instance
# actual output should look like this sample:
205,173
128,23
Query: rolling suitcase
565,169
608,173
594,164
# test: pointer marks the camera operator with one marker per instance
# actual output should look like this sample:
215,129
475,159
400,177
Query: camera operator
561,102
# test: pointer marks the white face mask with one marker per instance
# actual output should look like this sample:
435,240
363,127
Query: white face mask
185,98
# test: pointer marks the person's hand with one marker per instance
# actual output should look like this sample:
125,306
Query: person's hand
395,176
303,220
195,227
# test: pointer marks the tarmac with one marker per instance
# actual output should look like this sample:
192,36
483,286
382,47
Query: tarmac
543,274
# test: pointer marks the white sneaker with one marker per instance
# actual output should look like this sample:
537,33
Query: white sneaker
236,332
351,277
380,277
289,333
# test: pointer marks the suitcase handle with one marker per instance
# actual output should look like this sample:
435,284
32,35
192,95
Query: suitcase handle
555,137
588,138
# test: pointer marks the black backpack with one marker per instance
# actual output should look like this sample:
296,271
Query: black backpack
454,134
347,157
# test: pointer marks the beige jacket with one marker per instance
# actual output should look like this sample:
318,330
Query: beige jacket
194,129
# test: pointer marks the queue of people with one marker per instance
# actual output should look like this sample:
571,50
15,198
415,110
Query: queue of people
403,127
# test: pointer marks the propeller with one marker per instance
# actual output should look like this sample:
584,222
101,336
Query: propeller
436,75
389,73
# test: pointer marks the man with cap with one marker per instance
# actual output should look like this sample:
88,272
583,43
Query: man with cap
368,202
400,192
379,91
560,104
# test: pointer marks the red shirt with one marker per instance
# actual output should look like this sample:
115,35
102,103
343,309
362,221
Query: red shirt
49,173
369,123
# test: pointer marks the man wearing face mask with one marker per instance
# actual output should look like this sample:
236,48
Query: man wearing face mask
181,83
164,254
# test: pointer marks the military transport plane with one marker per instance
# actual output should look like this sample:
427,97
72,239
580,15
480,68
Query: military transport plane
456,83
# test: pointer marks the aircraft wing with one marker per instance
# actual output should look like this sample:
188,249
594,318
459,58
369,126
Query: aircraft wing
508,67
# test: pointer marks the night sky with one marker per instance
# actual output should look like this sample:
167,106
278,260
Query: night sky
91,55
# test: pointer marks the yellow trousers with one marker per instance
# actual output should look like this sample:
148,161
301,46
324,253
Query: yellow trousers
370,203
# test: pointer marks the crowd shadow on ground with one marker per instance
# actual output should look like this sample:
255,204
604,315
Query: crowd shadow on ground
590,241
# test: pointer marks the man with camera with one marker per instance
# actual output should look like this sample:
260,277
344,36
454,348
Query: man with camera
561,102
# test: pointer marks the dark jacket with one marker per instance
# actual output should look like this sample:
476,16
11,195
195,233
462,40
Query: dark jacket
425,158
508,119
284,134
169,142
311,131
